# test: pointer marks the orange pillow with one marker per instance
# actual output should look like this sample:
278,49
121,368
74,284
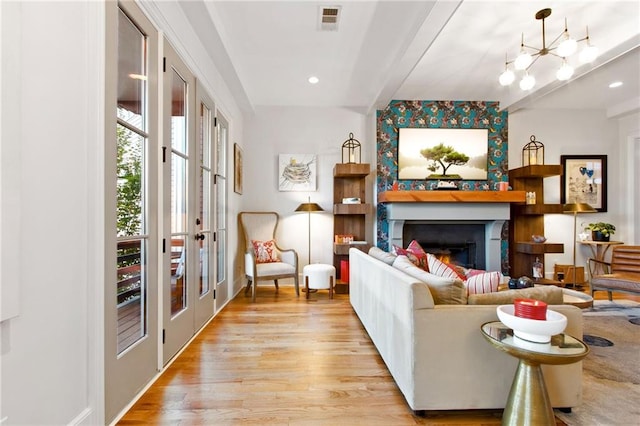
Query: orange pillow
265,251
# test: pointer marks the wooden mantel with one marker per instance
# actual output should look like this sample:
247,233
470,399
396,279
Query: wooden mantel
452,197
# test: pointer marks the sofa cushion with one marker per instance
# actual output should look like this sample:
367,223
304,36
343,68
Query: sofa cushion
414,253
550,294
483,282
381,255
445,291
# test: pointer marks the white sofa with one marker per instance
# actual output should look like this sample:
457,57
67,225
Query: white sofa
436,353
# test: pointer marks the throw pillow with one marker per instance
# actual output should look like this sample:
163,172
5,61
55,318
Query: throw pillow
415,253
445,291
440,268
265,251
483,282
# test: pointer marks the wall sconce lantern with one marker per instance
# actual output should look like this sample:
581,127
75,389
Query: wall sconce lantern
533,152
351,150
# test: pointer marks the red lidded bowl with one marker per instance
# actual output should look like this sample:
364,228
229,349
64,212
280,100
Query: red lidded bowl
530,309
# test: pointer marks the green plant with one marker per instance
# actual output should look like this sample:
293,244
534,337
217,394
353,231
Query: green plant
604,228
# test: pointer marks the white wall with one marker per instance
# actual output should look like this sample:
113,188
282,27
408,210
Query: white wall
287,130
50,365
52,108
574,132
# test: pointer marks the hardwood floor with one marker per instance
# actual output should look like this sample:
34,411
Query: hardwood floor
286,360
280,361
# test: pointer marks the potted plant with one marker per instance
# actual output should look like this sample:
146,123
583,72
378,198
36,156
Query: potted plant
601,231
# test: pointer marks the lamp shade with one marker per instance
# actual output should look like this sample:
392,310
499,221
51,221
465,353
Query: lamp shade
578,208
309,207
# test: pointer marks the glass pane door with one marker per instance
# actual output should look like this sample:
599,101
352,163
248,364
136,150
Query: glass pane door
179,284
222,284
131,230
204,304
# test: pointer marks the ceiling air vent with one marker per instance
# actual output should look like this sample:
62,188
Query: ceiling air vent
329,17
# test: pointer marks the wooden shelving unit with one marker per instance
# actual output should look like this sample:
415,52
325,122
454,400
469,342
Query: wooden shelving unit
350,181
528,220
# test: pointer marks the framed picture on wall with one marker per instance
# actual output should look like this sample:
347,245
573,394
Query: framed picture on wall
430,153
297,172
237,168
584,180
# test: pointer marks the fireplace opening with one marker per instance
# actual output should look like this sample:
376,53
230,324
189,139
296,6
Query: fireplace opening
456,243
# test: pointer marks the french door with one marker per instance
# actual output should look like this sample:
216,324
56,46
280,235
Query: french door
205,228
188,272
131,250
221,142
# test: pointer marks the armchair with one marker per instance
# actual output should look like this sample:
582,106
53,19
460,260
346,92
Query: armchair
261,226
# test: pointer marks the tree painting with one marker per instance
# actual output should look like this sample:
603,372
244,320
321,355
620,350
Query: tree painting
442,153
441,156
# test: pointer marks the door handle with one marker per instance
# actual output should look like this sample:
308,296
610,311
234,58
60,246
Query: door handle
199,237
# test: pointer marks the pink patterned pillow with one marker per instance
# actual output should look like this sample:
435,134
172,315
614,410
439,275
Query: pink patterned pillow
440,268
265,251
415,254
481,283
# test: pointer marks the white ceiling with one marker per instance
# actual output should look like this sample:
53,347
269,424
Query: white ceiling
432,50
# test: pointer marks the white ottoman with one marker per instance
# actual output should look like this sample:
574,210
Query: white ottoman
319,276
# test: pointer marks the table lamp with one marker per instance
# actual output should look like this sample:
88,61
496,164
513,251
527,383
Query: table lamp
309,207
575,209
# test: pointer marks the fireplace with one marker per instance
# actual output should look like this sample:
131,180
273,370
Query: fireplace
459,243
478,226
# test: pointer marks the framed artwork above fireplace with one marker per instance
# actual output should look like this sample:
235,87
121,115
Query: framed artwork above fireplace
450,154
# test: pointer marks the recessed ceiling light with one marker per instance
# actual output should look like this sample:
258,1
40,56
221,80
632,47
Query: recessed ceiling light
615,84
313,79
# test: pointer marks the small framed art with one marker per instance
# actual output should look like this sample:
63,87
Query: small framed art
237,168
297,172
584,180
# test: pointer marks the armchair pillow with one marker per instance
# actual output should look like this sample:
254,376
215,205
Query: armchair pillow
265,251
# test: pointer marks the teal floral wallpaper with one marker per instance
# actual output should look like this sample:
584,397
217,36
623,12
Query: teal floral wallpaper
437,114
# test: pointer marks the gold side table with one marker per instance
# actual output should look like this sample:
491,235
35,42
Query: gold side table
528,402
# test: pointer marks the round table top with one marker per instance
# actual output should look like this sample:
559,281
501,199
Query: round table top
563,348
600,243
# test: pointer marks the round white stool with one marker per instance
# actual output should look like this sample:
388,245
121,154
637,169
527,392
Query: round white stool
319,276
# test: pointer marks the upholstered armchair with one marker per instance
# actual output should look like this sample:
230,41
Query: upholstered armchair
264,259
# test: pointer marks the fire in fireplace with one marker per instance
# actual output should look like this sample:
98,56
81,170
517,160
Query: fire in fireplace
458,243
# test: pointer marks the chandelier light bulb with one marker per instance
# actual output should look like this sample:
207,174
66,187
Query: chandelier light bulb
564,72
522,61
507,77
568,47
588,54
527,82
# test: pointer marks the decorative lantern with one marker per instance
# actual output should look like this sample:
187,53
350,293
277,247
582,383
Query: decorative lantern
351,151
533,152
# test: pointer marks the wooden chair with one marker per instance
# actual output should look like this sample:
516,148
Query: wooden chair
262,226
621,274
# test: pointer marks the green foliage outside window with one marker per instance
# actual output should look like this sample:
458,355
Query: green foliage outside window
129,210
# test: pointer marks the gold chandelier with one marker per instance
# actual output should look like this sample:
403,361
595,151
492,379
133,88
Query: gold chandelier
562,49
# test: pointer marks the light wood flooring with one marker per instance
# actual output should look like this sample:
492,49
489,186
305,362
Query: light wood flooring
285,361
